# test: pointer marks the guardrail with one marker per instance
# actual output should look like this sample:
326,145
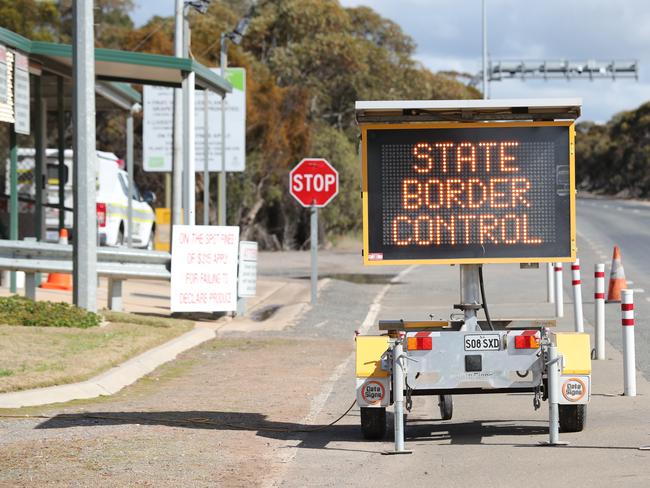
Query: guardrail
118,264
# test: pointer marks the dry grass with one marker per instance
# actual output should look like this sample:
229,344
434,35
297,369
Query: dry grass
32,357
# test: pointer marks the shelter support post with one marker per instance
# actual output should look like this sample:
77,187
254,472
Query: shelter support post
60,128
40,168
13,197
129,169
84,252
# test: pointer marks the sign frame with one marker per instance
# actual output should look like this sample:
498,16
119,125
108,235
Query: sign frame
367,255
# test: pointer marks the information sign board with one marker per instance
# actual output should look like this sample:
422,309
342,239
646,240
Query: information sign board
468,192
204,268
158,126
21,94
247,283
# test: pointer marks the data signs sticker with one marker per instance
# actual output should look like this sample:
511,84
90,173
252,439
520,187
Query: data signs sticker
574,390
468,193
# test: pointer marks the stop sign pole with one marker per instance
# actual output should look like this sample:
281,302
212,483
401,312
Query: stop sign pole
314,183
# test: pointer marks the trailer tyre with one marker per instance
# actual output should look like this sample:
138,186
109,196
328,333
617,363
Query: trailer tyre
573,418
373,423
446,404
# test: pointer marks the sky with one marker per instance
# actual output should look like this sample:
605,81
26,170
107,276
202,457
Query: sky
448,37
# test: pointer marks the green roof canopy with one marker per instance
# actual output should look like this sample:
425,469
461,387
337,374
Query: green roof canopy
114,68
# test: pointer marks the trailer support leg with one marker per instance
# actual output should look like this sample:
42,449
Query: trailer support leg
398,397
553,368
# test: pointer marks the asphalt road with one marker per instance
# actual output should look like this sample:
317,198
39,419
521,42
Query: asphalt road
603,223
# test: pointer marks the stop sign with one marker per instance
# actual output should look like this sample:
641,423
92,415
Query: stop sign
314,182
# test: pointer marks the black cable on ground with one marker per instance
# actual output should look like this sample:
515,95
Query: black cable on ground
485,305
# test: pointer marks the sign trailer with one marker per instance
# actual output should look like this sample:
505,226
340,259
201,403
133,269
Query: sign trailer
469,182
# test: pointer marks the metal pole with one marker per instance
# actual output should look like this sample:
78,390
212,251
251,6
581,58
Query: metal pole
599,305
629,355
85,215
13,197
177,166
550,283
189,190
206,159
222,173
577,296
314,254
60,127
485,76
129,169
39,157
189,199
470,295
559,292
398,394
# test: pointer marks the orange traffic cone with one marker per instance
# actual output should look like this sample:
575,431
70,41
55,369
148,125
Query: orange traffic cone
616,278
59,281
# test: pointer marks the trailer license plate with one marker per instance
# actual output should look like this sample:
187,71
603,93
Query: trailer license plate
482,342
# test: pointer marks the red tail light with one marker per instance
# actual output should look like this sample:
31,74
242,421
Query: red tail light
101,214
529,339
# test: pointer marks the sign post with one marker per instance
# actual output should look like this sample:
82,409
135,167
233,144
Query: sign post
314,183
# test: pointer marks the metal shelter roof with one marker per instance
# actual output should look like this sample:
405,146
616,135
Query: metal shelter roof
114,69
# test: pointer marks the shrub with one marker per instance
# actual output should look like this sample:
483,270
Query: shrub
17,310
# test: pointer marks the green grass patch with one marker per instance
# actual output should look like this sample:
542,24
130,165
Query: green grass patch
17,310
32,357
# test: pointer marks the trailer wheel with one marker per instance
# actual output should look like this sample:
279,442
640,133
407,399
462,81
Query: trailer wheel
446,404
373,423
572,417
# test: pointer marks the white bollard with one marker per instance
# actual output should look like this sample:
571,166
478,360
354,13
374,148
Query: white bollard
599,306
550,283
577,296
629,359
559,298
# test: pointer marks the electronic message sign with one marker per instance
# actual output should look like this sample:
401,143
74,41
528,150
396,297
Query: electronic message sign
468,193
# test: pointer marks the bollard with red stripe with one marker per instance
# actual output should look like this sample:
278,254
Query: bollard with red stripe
599,305
577,296
559,292
629,356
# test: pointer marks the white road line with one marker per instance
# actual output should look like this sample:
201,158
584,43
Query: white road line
620,209
647,299
320,324
319,401
638,290
605,205
629,282
636,210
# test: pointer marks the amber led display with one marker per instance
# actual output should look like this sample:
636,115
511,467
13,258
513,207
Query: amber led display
473,194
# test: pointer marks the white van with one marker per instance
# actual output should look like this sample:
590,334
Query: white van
112,199
112,208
